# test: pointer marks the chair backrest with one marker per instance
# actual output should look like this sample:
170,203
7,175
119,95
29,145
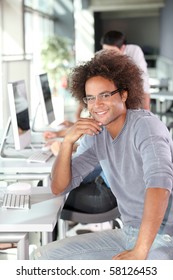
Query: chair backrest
90,203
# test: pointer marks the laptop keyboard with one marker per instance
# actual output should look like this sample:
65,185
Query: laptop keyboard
16,201
40,156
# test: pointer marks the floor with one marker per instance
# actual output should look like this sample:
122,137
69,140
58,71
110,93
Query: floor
34,238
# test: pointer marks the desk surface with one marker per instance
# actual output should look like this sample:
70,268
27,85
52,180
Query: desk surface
162,95
42,216
12,161
8,165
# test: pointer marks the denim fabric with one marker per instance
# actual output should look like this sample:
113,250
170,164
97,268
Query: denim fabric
103,246
92,176
95,173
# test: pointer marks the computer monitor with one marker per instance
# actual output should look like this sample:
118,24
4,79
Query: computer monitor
19,114
45,98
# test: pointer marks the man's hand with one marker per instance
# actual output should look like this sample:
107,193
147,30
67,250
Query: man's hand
81,127
130,255
60,133
55,146
49,135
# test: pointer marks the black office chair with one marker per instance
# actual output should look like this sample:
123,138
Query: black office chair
79,207
112,215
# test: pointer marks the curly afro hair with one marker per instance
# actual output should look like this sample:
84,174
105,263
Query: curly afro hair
115,67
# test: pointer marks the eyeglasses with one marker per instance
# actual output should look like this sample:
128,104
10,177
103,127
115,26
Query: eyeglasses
102,96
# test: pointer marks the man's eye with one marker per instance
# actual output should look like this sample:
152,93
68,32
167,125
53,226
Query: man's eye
105,95
91,98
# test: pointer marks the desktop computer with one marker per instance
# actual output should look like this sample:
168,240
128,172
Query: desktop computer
51,117
45,98
20,123
19,114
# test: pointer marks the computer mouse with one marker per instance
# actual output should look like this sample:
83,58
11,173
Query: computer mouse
19,187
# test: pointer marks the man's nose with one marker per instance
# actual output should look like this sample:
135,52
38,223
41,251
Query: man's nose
98,100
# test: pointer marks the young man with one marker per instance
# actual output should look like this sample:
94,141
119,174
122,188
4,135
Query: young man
116,40
134,149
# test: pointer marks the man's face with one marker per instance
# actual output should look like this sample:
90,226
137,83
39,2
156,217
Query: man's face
105,110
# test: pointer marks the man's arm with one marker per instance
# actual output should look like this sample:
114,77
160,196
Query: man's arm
156,202
61,171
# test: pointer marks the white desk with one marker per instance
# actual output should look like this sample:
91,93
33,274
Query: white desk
162,95
14,165
20,169
42,217
22,166
163,99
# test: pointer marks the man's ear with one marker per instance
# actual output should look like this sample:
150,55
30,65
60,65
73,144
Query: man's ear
123,48
124,95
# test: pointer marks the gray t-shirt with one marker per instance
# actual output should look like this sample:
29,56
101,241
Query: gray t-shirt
140,157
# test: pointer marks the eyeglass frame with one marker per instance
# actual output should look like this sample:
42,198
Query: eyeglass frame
101,94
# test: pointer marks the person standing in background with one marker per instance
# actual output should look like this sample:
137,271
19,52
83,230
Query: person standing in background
116,40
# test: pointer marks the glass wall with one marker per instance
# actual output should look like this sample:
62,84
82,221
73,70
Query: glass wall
44,20
39,22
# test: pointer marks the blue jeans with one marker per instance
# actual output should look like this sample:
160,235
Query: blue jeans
103,245
95,173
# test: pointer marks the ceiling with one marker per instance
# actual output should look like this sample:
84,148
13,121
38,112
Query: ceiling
128,8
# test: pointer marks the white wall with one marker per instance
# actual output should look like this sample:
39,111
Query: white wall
14,66
84,32
12,23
